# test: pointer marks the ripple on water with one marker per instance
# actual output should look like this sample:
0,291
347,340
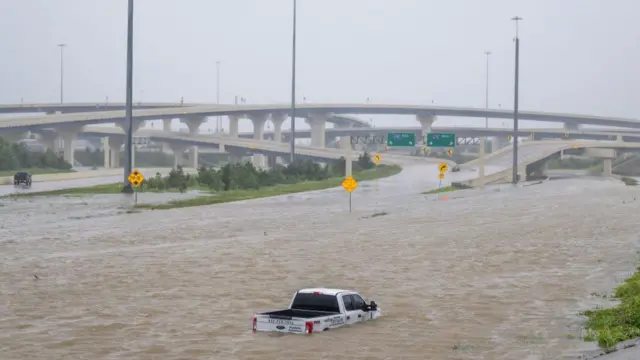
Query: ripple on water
495,275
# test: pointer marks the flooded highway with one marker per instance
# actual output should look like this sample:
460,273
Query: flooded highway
499,274
90,180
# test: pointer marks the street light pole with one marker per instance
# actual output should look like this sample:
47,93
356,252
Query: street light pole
483,139
127,188
515,103
293,87
218,122
61,46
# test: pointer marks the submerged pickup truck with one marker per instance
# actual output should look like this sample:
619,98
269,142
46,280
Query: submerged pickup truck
320,309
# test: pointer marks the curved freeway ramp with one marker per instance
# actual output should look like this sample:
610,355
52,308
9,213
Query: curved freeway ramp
499,165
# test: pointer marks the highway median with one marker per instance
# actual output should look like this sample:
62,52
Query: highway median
236,182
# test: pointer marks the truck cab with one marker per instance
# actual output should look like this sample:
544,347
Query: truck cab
22,178
317,309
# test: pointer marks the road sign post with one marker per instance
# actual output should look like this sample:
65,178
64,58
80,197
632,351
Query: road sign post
441,140
442,168
349,184
135,179
401,139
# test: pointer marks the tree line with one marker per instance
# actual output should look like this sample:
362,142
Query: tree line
247,176
17,156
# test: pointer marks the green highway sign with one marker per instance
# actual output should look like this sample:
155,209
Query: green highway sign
441,140
401,139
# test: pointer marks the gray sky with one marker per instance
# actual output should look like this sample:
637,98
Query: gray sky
578,56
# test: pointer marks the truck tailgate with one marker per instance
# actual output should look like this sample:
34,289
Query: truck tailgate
266,323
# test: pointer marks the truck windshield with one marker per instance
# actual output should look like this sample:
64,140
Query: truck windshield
317,302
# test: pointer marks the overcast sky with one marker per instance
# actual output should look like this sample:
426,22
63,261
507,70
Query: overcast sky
578,56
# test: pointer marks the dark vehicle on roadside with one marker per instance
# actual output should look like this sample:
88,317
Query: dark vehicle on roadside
22,178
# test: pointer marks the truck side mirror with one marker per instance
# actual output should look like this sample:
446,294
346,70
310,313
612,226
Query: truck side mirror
373,306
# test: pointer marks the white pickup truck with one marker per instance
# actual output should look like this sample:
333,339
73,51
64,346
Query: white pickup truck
313,310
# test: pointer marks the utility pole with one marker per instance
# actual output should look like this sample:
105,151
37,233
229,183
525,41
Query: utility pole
293,87
483,139
62,46
218,122
127,188
515,103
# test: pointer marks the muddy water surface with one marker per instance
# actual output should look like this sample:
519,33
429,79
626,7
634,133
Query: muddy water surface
494,275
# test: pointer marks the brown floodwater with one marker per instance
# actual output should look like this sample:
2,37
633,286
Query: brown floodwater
482,275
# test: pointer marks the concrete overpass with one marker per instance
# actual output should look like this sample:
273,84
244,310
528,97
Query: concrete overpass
533,156
426,115
461,132
69,125
241,145
82,107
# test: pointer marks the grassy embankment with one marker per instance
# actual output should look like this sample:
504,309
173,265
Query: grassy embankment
621,322
444,189
225,196
35,171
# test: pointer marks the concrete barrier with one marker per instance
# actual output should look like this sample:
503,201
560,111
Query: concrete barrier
8,180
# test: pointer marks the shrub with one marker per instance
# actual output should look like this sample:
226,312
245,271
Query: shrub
17,156
247,176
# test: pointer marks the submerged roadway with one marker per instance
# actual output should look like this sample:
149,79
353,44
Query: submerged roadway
499,274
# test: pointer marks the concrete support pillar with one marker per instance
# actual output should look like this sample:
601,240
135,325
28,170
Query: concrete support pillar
426,122
573,127
619,138
193,157
137,124
68,135
49,140
271,161
105,151
278,119
258,126
178,153
166,124
233,125
193,123
607,167
318,123
112,147
258,134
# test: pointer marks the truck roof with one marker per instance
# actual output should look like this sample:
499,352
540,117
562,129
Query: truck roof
324,291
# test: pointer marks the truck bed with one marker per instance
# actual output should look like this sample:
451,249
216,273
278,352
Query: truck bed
287,314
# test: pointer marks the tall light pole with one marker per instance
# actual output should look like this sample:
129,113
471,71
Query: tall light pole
127,188
486,90
293,86
515,103
62,46
483,139
218,122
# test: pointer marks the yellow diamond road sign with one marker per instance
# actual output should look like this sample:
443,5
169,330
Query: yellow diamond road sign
443,167
377,158
349,184
135,178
